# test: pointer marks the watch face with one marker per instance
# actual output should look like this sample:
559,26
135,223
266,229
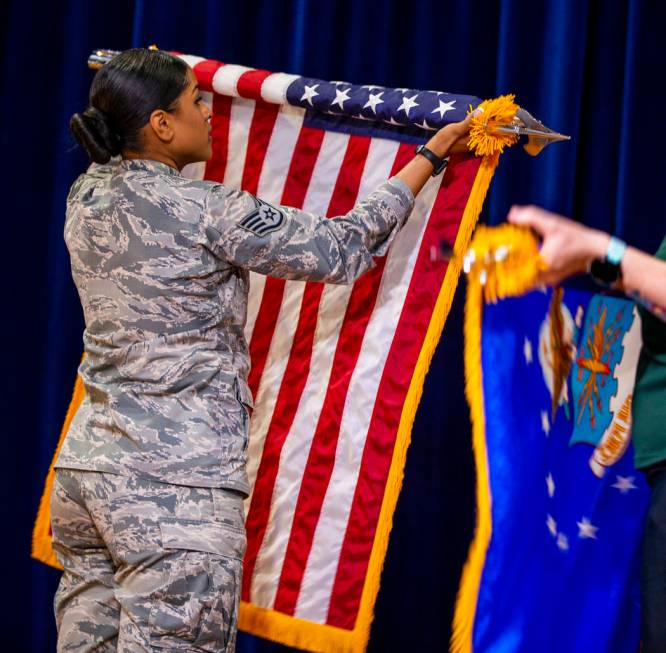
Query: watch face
604,272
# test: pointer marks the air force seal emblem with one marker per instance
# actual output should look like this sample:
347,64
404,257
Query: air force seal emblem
264,219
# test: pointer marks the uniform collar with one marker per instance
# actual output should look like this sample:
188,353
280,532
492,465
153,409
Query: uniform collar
149,165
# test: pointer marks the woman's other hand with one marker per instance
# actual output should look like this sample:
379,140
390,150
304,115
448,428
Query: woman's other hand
450,138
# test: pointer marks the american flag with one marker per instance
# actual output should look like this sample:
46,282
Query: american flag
337,371
332,366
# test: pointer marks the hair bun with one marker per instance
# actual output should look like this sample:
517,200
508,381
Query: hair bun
91,129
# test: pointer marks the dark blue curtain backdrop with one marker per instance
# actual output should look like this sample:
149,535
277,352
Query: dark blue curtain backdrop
590,68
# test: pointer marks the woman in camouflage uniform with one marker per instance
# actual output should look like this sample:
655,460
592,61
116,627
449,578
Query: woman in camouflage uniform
147,511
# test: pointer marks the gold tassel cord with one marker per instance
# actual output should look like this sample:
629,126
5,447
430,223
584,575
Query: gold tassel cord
484,140
503,261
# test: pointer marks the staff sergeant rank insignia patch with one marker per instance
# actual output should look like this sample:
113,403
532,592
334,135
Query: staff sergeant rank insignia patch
263,220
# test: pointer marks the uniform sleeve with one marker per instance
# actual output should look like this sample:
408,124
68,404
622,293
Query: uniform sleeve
294,244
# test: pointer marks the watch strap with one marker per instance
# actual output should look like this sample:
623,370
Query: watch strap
608,270
615,250
438,163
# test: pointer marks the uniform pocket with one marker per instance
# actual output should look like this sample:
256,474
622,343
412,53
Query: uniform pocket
211,537
197,605
244,398
243,393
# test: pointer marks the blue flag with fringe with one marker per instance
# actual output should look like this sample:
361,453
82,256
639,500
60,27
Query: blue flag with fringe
555,562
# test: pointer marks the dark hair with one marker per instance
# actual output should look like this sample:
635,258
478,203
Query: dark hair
123,94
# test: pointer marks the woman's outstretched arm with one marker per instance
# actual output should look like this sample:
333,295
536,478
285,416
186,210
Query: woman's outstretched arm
295,244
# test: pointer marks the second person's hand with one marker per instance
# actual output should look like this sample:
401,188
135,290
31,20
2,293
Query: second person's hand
567,247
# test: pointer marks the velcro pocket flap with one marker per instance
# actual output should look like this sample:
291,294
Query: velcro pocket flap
212,537
244,392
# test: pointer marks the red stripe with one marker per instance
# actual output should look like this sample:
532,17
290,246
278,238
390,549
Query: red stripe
261,130
412,326
302,165
262,333
217,164
205,71
249,83
321,458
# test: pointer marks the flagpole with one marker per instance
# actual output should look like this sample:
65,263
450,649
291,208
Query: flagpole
523,124
98,58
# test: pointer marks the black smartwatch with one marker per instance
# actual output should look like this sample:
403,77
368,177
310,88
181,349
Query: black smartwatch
437,163
608,270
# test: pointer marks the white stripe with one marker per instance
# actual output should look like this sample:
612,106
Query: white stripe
325,173
225,80
240,119
381,156
274,88
279,153
321,568
191,60
296,447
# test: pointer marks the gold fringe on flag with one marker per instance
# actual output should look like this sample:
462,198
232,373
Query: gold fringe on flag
42,540
502,262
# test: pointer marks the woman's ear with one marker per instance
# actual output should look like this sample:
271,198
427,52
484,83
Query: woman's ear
162,125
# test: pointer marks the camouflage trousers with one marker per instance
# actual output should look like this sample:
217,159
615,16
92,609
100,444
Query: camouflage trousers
148,566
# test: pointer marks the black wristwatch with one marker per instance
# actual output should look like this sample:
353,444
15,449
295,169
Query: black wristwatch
608,270
437,163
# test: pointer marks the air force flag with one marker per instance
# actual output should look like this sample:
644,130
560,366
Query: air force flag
566,506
